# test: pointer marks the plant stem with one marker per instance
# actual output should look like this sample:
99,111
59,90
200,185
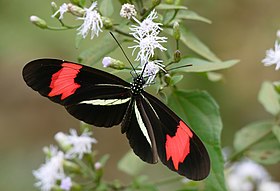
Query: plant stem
122,32
61,28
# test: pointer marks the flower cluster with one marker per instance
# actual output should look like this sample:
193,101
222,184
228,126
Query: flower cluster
273,55
128,11
92,20
52,173
249,176
74,145
147,39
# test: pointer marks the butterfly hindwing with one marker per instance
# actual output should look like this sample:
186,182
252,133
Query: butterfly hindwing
179,148
134,127
87,93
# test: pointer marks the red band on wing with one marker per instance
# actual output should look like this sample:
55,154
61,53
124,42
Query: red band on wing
178,146
63,81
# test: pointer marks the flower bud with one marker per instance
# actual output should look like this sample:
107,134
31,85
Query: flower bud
97,165
128,11
112,63
54,7
169,1
176,31
38,22
167,79
75,10
156,2
107,23
177,56
177,2
62,140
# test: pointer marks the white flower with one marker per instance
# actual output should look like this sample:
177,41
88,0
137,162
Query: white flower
62,9
127,11
273,56
246,175
151,69
269,186
51,171
107,61
79,145
147,26
66,183
146,47
146,38
92,22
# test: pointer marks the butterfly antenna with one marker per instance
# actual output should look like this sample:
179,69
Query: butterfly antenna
142,73
123,51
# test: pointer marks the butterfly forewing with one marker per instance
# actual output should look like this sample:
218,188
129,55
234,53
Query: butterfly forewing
178,146
91,95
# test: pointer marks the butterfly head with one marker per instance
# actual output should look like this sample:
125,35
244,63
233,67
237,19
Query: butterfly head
137,85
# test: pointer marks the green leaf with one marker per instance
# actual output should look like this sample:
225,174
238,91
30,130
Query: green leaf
141,183
269,98
168,16
257,141
170,7
276,132
175,79
131,164
277,86
191,15
200,65
201,112
95,54
103,160
191,41
106,8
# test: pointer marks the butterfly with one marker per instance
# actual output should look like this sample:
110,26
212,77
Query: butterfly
101,99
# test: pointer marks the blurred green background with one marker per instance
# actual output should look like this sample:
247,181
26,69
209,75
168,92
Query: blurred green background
241,29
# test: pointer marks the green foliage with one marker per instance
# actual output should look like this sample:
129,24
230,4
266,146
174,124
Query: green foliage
170,7
94,55
192,41
201,112
269,98
131,164
258,142
106,8
200,65
191,15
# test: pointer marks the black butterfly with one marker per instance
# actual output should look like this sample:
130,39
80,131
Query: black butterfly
104,100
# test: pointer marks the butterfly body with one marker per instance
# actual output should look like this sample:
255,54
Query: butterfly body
104,100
